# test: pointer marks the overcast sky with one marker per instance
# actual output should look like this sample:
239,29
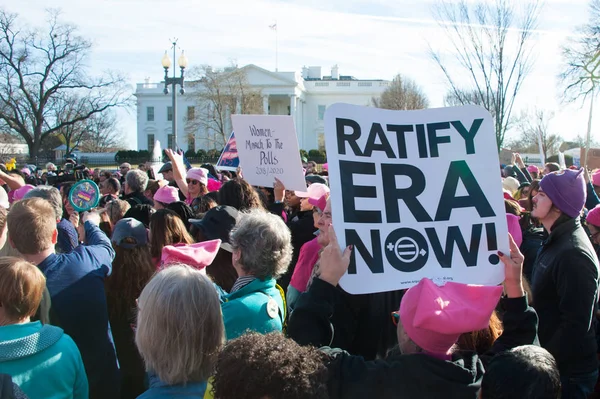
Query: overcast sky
367,39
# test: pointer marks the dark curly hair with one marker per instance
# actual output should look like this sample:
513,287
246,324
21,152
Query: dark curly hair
269,366
239,194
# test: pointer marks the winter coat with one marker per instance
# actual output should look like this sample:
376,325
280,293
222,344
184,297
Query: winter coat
43,361
565,290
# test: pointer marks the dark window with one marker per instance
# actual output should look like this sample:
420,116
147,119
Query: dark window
150,114
169,114
191,113
150,142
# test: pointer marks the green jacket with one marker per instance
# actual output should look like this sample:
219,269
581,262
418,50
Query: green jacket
253,308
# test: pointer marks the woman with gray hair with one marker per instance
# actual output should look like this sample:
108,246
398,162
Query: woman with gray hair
179,332
262,251
134,187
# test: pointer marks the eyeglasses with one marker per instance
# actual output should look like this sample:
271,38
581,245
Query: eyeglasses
123,167
395,318
193,182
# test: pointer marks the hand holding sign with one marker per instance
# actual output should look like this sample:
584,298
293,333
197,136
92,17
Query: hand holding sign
333,263
513,270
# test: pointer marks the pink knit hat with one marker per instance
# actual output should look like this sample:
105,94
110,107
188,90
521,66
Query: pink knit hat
593,216
21,191
435,317
514,228
596,178
533,169
320,203
197,255
199,174
167,194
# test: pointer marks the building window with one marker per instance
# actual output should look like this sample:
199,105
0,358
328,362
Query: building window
321,112
169,114
191,142
150,114
170,141
191,113
150,142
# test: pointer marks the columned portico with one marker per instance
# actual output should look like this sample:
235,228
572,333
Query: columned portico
265,104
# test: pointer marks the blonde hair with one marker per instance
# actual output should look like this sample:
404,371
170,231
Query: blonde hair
21,287
116,210
31,225
180,329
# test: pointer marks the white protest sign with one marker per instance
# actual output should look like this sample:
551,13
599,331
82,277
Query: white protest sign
418,194
268,148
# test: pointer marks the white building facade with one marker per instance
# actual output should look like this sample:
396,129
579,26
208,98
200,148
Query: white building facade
305,96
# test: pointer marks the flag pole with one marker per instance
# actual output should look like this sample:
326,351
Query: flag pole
274,27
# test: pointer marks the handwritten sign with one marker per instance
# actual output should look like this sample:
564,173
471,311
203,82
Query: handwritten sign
268,148
229,157
418,194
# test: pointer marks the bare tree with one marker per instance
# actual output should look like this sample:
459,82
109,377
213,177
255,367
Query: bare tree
458,97
39,70
535,126
479,35
218,94
581,73
402,93
102,134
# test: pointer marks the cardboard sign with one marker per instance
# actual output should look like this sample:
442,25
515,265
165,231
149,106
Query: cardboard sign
229,157
418,194
268,148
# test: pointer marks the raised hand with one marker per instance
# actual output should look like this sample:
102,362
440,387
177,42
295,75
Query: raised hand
334,263
513,270
278,190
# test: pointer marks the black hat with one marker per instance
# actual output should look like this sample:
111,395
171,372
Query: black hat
218,223
167,166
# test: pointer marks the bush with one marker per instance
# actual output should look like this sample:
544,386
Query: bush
190,154
554,158
319,156
133,156
213,153
201,153
303,154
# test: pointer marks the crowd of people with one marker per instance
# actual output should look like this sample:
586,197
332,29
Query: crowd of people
200,285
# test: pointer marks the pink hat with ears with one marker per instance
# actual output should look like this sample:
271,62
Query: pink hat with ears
533,169
320,203
593,216
197,255
514,228
326,166
167,194
435,317
21,191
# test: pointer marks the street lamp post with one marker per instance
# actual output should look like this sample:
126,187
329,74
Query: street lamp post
174,81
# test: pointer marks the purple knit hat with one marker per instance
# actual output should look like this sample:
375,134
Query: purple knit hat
566,190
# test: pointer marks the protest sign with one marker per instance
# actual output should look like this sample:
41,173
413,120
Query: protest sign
268,149
418,194
229,157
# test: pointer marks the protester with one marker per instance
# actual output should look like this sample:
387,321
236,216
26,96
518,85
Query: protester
179,332
143,213
124,168
42,360
183,210
301,224
164,196
239,194
593,224
218,223
261,252
566,260
110,190
533,171
269,366
167,172
201,205
523,372
191,183
132,269
166,228
116,210
134,187
67,238
551,167
76,285
151,188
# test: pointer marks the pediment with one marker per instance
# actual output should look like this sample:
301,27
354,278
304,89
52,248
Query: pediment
258,76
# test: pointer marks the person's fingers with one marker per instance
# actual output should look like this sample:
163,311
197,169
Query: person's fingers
505,259
347,253
333,238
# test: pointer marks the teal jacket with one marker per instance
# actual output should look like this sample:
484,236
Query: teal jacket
43,361
253,308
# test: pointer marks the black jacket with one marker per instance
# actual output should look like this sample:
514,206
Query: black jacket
565,289
406,376
137,198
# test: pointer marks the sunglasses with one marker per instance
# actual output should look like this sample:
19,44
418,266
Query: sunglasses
193,182
395,318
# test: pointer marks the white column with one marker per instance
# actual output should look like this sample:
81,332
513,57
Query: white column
293,106
265,105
